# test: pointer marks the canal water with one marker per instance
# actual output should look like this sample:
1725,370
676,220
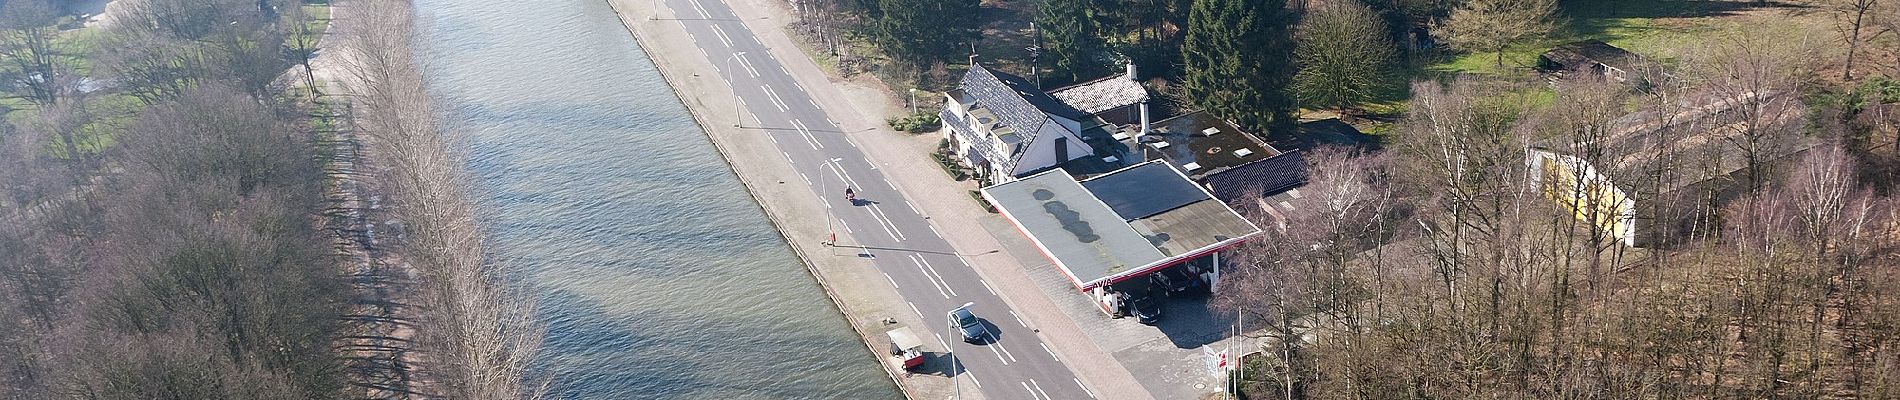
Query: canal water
658,277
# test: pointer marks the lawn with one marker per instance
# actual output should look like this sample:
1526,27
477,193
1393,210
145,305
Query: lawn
1654,28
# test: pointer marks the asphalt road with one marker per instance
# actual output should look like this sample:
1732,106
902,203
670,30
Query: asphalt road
1015,364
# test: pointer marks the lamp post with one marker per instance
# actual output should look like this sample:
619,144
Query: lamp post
737,121
955,378
830,236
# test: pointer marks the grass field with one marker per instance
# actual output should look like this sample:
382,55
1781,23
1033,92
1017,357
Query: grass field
1654,28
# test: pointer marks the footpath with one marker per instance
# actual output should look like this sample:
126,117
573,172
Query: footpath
870,304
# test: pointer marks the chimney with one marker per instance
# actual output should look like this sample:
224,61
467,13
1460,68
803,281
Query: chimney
1144,112
1131,72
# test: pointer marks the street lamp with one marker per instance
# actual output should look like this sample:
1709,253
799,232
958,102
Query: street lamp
955,381
832,236
737,122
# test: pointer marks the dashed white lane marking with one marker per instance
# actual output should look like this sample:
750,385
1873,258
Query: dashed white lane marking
700,9
847,229
775,141
723,38
1045,395
1085,388
773,95
1052,353
887,277
993,346
933,229
806,134
979,384
920,314
889,227
913,207
807,179
986,286
1019,320
933,281
940,342
747,63
933,272
998,345
788,156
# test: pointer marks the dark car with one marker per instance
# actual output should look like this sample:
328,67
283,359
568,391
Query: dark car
1175,280
972,328
1147,309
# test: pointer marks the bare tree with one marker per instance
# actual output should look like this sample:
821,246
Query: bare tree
1496,25
26,42
1853,16
1751,80
480,333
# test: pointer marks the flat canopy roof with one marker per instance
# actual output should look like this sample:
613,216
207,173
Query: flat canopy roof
1144,189
1158,224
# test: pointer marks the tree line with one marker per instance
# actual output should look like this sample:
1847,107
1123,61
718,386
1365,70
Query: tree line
157,239
163,229
1255,62
1449,267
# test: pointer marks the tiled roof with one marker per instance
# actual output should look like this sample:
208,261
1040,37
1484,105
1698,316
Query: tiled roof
1102,94
1260,178
1017,103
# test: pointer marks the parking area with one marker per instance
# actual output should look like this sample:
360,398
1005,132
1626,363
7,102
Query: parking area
1166,357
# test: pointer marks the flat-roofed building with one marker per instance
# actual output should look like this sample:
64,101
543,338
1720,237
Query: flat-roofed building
1120,225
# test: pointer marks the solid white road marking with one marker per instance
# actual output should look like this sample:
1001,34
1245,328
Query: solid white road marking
1085,388
1052,353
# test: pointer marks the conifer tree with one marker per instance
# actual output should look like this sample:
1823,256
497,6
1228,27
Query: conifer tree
1238,57
1071,38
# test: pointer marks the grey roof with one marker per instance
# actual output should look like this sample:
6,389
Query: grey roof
1094,244
1017,103
1193,226
1085,238
1187,143
1144,190
1104,94
1262,178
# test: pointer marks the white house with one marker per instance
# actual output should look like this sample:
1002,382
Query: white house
1006,128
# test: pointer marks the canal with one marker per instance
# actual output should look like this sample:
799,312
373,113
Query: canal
658,277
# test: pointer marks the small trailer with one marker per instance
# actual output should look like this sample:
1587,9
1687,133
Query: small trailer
906,349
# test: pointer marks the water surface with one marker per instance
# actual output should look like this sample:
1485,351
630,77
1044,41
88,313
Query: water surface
659,276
